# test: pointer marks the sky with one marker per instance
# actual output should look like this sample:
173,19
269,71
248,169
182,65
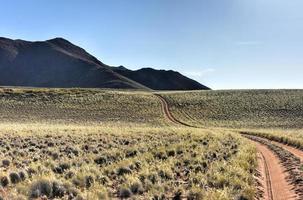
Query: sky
224,44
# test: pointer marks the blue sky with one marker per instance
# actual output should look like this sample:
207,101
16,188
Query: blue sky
225,44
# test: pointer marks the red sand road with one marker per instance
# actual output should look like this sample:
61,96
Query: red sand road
276,187
264,178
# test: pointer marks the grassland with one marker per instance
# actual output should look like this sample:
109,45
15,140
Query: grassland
100,163
79,106
239,108
105,144
292,137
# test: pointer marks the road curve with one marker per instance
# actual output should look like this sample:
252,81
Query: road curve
168,114
273,176
297,152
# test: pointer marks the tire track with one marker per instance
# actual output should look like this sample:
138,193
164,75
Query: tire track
273,175
290,163
264,169
297,152
168,114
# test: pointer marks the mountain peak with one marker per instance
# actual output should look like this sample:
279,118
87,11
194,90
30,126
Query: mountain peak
60,63
59,40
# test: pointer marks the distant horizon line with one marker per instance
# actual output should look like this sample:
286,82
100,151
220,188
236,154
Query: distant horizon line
221,89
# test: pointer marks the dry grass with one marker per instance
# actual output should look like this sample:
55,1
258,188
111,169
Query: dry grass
146,162
239,108
292,137
103,144
79,106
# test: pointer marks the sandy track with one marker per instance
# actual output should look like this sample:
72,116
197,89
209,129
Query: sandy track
264,178
168,114
273,176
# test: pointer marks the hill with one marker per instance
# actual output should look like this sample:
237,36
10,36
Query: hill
78,106
233,108
161,79
238,108
59,63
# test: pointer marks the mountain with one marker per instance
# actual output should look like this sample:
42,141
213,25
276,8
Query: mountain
59,63
161,79
55,63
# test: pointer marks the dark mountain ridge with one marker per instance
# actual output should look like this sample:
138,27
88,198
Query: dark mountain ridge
161,79
59,63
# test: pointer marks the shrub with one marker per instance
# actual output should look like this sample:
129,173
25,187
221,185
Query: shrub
131,153
4,181
64,166
153,178
22,175
31,172
125,192
138,165
165,174
177,195
100,160
204,164
89,180
41,188
123,170
14,177
179,150
58,190
69,175
171,152
72,192
61,168
55,155
6,163
161,155
102,179
137,188
58,170
241,197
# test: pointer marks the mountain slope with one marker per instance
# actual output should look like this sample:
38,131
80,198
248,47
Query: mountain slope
55,63
161,79
59,63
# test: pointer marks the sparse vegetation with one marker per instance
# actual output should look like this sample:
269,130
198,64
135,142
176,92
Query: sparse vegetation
290,137
170,162
101,144
238,108
78,106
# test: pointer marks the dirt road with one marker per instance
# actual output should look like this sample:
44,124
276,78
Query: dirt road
168,114
273,175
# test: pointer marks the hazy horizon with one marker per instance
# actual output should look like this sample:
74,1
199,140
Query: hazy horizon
224,44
